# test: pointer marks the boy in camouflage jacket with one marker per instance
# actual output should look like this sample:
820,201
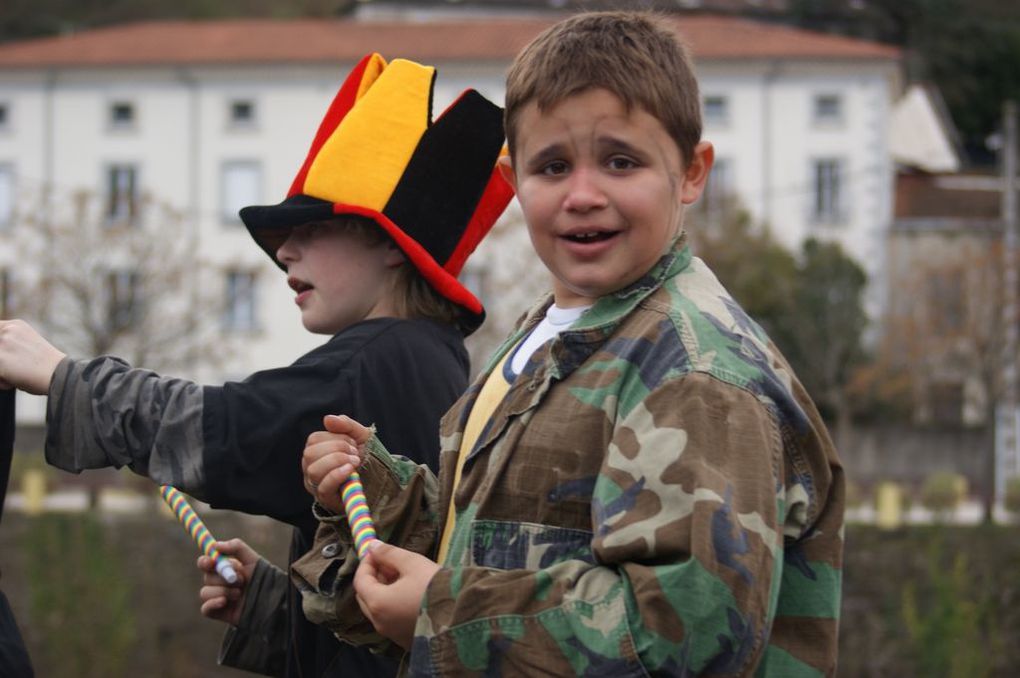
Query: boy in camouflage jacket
651,491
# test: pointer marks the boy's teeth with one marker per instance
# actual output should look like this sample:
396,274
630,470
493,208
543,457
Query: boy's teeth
587,236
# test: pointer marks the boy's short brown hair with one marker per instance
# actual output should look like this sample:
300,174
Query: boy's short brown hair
631,54
413,296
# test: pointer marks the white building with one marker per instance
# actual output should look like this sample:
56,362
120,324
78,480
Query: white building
210,116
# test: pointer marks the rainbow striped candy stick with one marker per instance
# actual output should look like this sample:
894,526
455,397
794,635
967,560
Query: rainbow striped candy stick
198,531
358,515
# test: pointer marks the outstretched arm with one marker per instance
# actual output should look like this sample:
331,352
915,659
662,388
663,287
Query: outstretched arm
234,446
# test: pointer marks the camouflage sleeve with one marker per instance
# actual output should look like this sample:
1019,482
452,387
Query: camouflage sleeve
683,569
103,412
403,498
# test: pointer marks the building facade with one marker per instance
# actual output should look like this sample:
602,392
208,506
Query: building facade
203,118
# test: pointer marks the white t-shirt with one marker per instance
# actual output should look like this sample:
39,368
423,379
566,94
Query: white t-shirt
555,321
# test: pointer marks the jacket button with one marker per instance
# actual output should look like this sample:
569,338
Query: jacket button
330,550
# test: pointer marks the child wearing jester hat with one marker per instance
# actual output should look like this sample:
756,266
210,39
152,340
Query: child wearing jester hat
377,224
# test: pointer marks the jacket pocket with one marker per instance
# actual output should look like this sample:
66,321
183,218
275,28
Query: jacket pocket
508,545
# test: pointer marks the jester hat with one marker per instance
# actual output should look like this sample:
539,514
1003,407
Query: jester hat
432,186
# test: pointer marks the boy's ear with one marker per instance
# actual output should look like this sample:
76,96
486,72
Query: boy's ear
696,174
394,256
506,170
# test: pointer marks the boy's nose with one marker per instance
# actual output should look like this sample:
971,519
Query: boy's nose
287,252
583,191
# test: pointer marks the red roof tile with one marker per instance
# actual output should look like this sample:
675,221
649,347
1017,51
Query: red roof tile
315,40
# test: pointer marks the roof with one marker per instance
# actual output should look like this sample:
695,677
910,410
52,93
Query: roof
252,41
921,132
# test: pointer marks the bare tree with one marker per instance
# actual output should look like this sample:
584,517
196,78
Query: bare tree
96,279
133,285
944,329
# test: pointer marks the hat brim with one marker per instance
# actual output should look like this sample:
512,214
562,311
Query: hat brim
270,226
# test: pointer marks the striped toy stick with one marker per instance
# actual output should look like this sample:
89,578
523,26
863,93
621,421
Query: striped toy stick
358,515
198,531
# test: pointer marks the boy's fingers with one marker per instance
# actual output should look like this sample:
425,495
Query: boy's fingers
382,553
344,424
218,590
333,483
327,447
213,605
319,470
325,437
314,453
244,554
366,578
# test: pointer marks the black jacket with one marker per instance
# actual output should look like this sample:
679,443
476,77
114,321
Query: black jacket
238,446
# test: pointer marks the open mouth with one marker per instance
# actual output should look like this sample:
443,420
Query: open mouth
298,286
590,236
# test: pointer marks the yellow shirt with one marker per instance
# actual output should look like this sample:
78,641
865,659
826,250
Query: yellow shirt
492,393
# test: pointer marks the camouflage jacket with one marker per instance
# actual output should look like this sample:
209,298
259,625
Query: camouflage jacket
656,494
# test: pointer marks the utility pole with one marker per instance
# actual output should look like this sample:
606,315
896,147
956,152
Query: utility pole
1008,463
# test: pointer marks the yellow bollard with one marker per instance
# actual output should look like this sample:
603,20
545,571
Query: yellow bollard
33,491
961,488
889,506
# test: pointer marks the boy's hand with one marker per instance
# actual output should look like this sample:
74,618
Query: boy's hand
389,585
27,361
330,456
220,600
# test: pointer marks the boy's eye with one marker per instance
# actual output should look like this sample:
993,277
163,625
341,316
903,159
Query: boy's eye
307,230
555,167
619,162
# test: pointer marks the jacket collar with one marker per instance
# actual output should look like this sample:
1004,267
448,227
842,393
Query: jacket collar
572,347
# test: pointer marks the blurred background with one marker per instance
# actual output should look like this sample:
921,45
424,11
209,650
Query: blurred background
862,208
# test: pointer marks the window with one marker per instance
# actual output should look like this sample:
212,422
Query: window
6,293
242,113
828,109
239,314
719,187
122,115
828,194
6,196
717,110
241,186
123,299
121,193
